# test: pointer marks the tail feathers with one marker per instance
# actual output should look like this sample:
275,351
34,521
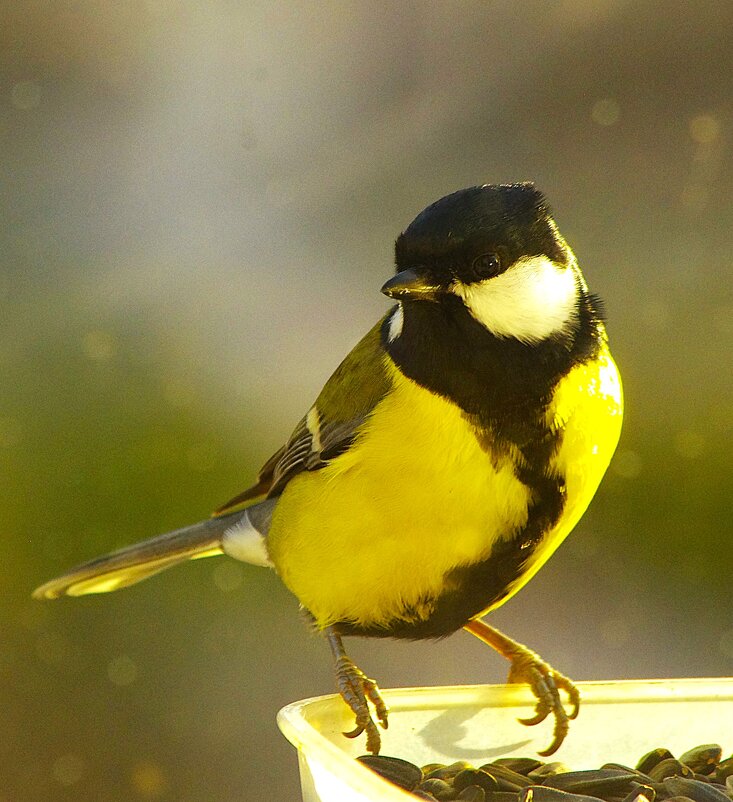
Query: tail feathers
141,560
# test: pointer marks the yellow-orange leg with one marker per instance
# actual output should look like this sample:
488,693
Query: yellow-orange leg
357,690
545,682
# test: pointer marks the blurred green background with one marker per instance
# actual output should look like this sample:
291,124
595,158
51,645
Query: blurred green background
199,203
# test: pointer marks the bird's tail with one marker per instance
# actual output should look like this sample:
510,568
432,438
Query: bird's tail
234,534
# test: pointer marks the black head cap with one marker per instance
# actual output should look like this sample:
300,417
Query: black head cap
510,219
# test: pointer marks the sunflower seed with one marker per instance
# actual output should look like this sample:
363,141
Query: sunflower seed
473,793
696,790
475,777
448,772
522,765
399,772
723,770
440,789
596,782
651,759
702,759
508,779
670,767
640,792
543,793
501,796
547,770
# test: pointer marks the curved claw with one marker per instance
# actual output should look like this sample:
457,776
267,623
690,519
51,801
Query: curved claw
538,718
355,733
573,694
559,733
545,683
555,745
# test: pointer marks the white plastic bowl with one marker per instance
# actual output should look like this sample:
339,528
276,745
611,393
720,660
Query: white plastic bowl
618,721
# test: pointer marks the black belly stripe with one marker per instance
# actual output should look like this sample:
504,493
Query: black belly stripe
473,588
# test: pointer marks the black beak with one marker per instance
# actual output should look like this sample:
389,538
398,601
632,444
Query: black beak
412,284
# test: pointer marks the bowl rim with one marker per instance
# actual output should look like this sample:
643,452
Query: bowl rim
294,720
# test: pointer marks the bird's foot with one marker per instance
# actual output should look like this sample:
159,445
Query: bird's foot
546,684
358,690
544,681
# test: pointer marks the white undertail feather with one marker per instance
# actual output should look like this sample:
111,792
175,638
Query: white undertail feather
244,542
533,300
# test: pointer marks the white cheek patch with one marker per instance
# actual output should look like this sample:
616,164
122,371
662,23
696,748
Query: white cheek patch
395,323
533,300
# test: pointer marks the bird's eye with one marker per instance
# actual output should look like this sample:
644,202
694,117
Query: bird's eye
487,265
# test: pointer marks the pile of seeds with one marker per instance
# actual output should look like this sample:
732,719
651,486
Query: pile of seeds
699,775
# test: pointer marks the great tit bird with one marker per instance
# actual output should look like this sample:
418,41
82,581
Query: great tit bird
444,461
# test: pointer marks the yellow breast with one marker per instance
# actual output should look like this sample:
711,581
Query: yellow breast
379,528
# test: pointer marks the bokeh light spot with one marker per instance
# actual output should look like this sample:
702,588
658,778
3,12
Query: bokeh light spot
68,769
228,576
694,197
689,443
122,670
704,129
148,780
627,464
725,644
606,112
99,345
